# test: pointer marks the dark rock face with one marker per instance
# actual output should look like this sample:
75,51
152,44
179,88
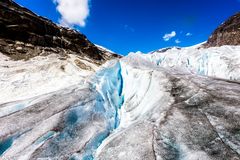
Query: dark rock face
23,35
227,33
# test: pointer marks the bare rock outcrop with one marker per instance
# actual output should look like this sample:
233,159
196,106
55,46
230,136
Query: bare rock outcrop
228,33
24,35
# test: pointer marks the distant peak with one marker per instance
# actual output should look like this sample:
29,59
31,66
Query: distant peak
228,33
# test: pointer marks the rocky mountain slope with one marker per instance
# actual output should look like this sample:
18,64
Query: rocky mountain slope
25,35
227,33
171,104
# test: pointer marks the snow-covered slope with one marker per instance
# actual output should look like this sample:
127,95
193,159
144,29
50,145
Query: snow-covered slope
169,105
41,75
221,62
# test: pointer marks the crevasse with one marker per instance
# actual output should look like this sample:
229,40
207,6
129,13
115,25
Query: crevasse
108,83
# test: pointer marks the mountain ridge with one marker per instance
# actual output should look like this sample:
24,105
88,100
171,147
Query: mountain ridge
228,33
25,35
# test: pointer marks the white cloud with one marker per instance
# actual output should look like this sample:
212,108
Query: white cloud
169,36
177,41
188,34
73,12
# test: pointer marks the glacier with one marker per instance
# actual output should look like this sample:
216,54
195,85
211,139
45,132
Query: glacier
182,103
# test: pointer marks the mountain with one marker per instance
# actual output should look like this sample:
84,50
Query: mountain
227,33
25,35
173,103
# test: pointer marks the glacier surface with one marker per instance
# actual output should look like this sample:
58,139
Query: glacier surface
178,104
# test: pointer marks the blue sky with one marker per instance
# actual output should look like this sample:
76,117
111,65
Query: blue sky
138,25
